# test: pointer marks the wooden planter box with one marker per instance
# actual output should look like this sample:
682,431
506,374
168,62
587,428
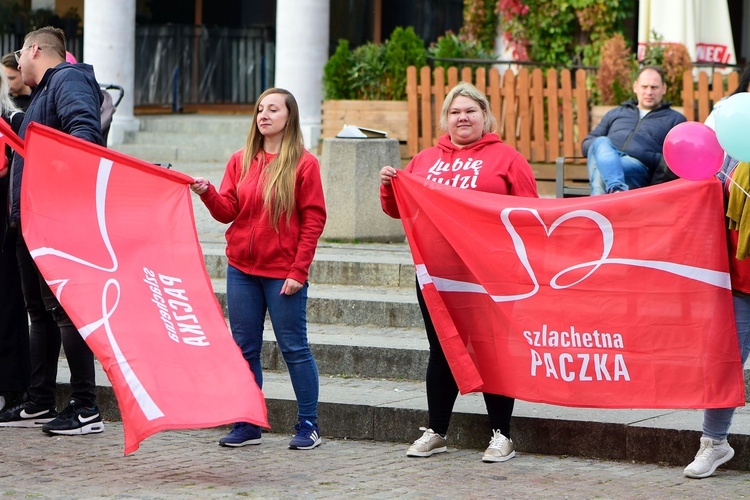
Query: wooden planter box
391,117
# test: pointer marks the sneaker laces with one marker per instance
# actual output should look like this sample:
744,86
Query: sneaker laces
13,408
238,427
303,430
428,433
497,440
705,451
68,411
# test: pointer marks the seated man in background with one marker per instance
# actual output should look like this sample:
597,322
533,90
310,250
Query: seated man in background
625,150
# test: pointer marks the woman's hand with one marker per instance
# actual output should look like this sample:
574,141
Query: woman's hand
386,174
199,185
290,287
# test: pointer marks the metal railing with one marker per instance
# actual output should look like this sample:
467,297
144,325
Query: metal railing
178,65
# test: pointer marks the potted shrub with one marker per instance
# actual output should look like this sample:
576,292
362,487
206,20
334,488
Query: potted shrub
614,79
674,60
367,86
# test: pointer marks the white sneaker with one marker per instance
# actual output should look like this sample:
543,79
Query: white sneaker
500,449
711,454
431,442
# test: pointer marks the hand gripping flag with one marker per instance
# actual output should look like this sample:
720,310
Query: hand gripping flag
618,301
115,239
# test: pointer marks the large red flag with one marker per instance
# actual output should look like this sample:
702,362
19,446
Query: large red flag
116,240
612,301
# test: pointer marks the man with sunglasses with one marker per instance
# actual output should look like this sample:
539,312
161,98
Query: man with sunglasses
66,97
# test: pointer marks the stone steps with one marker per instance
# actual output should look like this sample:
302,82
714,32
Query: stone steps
187,138
394,409
162,153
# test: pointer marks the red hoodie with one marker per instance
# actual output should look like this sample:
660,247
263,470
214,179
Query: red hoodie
253,245
487,165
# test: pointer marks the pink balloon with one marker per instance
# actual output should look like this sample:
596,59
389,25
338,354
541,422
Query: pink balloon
692,151
70,58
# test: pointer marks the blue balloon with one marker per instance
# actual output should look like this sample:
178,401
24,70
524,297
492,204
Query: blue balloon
733,126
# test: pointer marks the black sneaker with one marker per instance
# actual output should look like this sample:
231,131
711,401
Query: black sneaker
76,420
10,400
26,415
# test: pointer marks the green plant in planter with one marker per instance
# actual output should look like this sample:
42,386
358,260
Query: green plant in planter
336,73
452,46
373,71
368,75
403,49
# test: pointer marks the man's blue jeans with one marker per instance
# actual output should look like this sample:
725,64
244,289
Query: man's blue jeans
716,421
611,169
248,298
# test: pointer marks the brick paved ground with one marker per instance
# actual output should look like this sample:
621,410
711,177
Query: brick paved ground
190,464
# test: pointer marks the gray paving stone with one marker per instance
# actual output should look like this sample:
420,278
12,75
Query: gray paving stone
393,410
189,464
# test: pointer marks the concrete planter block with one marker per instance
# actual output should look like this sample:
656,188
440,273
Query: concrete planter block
350,169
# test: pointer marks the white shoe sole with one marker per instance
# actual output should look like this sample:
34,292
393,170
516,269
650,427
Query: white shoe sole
244,443
315,444
26,424
423,454
492,458
710,472
94,428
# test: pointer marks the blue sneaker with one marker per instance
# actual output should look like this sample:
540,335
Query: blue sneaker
308,436
242,434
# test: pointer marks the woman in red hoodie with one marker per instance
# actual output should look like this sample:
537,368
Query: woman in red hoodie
469,156
273,196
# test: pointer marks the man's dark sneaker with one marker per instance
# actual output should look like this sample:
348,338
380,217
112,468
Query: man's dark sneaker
242,434
308,436
26,415
76,420
10,400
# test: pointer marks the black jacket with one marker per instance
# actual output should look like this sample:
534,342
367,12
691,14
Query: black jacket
67,99
642,139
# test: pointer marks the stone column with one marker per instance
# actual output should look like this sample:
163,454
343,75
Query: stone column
109,46
302,32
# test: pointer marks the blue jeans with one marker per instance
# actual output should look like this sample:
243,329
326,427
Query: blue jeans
248,298
716,421
610,168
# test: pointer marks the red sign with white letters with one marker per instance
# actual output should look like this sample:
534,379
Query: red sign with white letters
616,301
115,238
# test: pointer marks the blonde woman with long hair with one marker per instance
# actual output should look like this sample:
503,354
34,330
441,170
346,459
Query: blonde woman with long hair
273,196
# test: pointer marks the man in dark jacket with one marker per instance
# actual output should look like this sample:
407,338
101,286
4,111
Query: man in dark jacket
625,150
65,97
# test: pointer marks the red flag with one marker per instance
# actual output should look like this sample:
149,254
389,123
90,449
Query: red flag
116,240
11,138
612,301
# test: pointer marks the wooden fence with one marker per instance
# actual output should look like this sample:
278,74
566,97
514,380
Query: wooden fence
704,96
542,114
538,114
